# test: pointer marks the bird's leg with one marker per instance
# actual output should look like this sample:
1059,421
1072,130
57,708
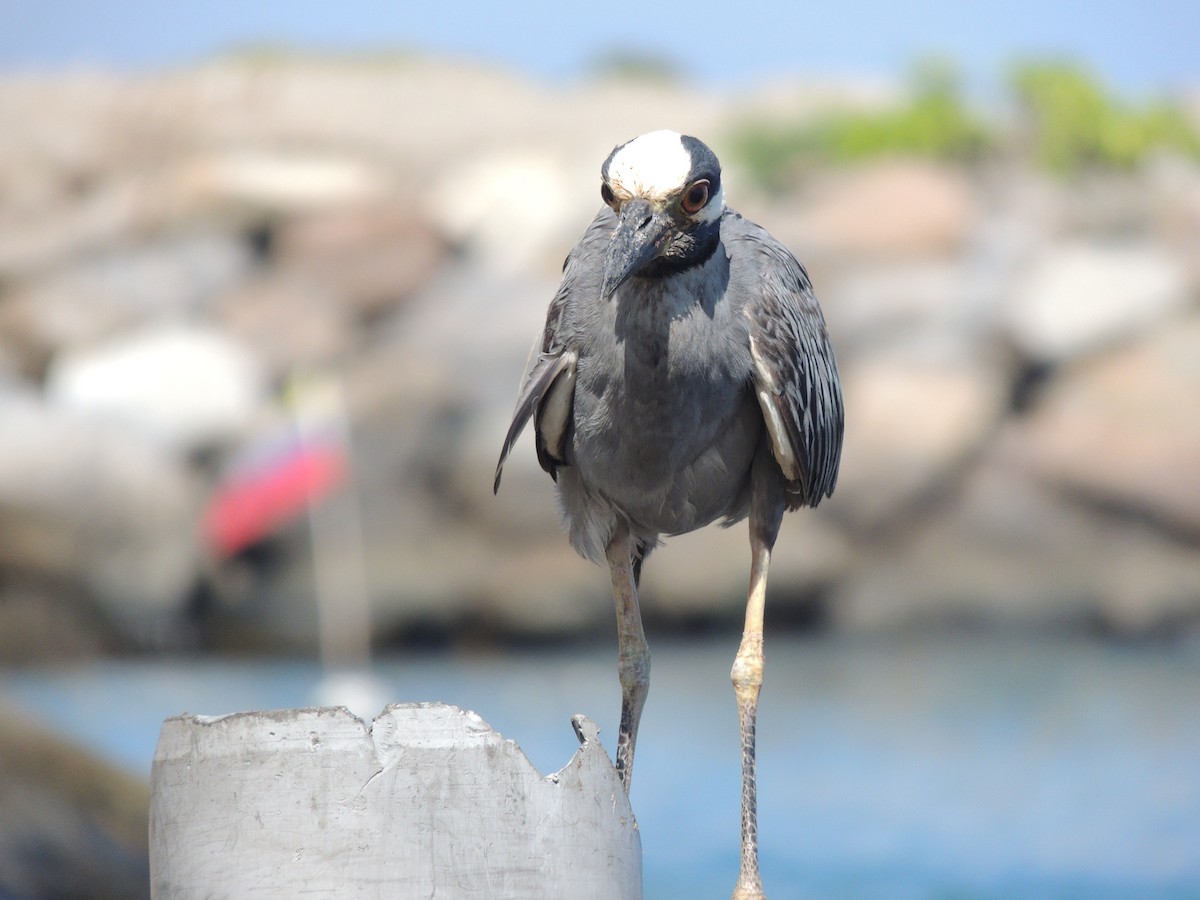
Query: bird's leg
633,660
767,506
747,681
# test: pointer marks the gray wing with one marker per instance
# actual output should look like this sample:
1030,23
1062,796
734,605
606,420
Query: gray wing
552,377
548,391
795,374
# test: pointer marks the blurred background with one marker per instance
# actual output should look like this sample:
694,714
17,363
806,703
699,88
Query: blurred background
268,277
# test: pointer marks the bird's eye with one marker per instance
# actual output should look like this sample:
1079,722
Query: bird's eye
695,198
606,194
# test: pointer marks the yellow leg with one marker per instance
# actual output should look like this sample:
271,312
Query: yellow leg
747,682
768,501
633,659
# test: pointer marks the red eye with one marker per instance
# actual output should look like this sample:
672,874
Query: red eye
695,198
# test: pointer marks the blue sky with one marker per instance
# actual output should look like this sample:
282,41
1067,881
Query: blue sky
1138,47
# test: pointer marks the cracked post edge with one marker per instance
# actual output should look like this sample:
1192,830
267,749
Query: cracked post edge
586,730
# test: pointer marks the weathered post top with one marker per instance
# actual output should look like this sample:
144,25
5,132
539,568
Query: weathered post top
426,800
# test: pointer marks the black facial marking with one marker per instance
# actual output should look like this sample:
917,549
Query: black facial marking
695,242
704,162
693,247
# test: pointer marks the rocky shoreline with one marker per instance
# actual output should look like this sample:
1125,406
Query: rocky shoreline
1020,356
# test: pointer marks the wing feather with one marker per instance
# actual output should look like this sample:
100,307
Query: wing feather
548,391
538,386
795,374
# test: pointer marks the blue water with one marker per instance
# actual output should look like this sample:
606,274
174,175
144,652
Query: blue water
954,767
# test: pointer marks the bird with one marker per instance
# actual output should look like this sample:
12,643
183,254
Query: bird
685,375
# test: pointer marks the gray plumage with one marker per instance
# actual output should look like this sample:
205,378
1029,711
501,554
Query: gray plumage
661,383
684,376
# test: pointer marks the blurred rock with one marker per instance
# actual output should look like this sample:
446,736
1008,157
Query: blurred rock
369,258
1005,552
463,341
516,210
290,322
525,509
547,591
96,298
909,429
53,232
42,621
427,401
881,303
190,388
891,209
927,313
276,183
1124,429
705,575
1173,191
73,825
1080,297
103,514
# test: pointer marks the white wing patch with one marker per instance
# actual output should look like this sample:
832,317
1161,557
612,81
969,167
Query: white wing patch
556,407
781,444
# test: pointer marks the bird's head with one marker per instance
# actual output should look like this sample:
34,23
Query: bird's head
666,190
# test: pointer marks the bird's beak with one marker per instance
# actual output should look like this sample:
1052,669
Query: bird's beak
640,234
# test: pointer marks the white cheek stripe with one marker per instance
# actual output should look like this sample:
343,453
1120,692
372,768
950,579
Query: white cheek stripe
716,204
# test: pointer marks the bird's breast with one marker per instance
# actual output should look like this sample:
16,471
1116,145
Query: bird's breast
665,423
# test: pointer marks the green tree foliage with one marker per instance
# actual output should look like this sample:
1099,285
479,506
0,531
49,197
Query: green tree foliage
933,124
637,66
1074,124
1068,123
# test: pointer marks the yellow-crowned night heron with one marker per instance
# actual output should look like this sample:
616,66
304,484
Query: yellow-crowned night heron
685,375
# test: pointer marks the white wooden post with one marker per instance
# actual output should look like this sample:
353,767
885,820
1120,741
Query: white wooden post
426,801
